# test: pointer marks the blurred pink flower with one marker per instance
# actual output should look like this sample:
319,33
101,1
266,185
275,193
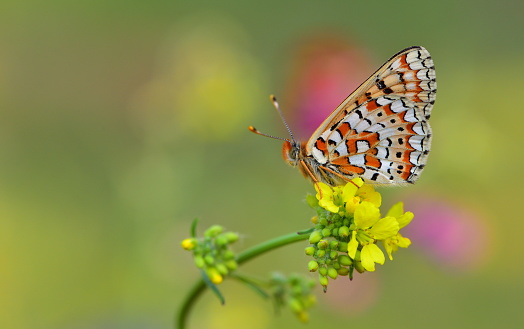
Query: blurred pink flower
327,68
454,236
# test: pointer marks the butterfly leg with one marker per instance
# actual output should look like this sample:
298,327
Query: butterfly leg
339,175
310,174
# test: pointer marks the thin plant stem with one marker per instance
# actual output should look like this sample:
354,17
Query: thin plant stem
242,257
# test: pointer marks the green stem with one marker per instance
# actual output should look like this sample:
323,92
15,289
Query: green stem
243,257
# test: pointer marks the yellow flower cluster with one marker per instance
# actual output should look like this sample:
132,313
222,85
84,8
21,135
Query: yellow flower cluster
348,227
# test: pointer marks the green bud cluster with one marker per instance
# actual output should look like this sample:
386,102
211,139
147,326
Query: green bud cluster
211,252
329,245
294,292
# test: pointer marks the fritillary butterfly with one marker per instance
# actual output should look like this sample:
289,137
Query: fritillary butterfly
380,132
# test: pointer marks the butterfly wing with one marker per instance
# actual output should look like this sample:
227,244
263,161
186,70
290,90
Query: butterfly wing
380,132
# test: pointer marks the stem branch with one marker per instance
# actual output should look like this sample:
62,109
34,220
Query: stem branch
243,257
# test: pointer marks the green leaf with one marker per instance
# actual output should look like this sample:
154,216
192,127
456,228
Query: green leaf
213,287
252,284
193,227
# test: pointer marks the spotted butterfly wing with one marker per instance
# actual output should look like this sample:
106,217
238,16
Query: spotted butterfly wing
380,132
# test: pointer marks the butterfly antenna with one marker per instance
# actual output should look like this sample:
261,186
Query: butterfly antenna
256,131
275,104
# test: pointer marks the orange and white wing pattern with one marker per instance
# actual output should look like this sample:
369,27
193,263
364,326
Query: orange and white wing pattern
381,131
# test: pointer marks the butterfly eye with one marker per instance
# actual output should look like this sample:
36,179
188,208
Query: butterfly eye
290,153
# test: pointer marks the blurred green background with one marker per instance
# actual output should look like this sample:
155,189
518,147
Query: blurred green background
121,121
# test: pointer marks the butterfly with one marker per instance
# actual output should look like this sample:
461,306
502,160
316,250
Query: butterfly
379,133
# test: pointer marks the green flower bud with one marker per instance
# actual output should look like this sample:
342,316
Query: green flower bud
199,261
312,201
343,246
310,299
323,270
231,237
332,273
343,271
334,245
333,254
228,254
210,260
231,264
334,232
343,231
358,266
296,290
295,305
336,265
345,260
322,244
315,237
222,268
320,253
213,231
326,232
312,266
221,240
323,281
310,251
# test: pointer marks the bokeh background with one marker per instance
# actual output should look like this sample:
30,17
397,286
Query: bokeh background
121,121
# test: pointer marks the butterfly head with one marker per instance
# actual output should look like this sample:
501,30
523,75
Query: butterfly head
291,152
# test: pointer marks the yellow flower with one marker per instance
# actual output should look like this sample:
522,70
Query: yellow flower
391,244
353,195
326,197
369,227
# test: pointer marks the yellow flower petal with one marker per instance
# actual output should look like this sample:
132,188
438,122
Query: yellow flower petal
368,193
396,210
366,214
348,192
353,245
358,181
384,228
326,198
370,255
405,219
403,242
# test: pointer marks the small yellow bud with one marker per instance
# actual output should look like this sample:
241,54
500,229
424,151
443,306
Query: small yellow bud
322,244
214,275
189,244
